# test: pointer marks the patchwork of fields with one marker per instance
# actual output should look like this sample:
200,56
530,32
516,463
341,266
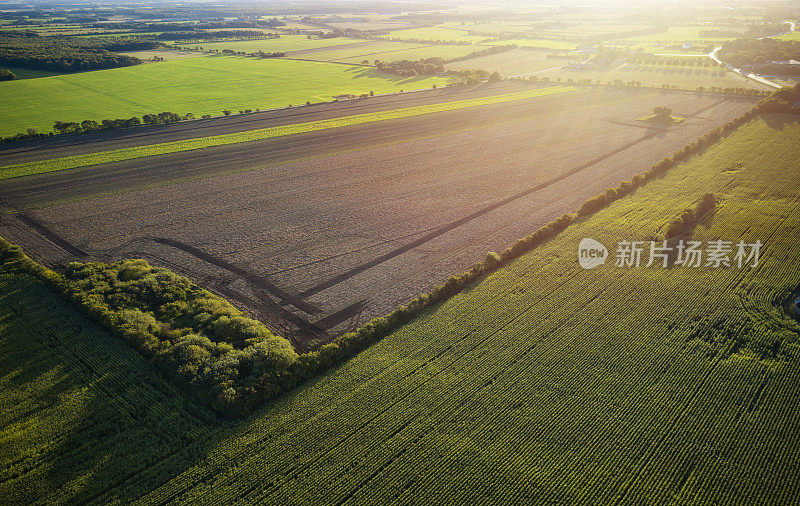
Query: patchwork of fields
284,44
543,382
323,216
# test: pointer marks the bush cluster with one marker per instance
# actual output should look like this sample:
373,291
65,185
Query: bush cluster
783,100
224,358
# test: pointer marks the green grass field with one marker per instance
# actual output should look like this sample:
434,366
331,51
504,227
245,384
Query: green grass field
544,382
205,85
372,48
84,160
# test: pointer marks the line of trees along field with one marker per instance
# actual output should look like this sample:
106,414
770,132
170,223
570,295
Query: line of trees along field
68,54
235,363
90,125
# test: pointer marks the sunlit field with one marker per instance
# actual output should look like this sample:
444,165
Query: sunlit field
319,253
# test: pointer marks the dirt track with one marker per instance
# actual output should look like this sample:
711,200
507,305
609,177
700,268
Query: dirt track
353,221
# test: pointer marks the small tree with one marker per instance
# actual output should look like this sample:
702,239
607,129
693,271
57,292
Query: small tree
662,114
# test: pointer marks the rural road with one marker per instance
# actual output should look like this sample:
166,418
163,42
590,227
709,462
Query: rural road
756,77
750,75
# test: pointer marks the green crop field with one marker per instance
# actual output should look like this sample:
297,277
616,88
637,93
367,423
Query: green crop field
80,409
543,382
284,44
205,85
84,160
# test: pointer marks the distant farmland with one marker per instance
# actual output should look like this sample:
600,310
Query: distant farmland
326,217
515,62
205,85
285,43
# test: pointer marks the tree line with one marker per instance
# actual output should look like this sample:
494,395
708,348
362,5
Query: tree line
220,34
484,52
90,125
68,54
135,26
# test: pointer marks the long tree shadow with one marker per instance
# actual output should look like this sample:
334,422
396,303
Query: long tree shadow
100,422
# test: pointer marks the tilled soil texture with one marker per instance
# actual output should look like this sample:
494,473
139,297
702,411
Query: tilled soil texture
317,233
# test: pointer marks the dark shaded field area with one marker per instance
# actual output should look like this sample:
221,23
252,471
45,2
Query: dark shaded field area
317,233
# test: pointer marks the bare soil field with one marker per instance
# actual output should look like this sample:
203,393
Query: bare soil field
316,233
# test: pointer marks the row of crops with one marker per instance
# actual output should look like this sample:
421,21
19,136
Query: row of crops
545,382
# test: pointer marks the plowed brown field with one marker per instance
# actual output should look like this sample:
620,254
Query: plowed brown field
316,233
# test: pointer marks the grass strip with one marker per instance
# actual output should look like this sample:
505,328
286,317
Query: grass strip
116,155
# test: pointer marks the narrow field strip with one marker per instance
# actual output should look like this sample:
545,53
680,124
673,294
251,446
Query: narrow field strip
87,159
